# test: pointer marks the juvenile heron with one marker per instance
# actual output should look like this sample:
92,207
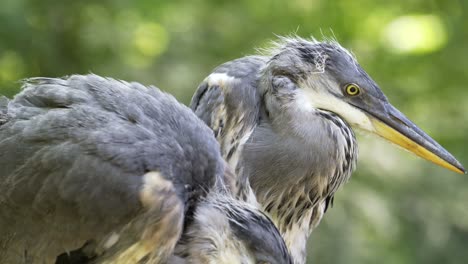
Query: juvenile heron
285,123
124,170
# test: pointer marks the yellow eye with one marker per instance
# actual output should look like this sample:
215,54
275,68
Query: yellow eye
352,89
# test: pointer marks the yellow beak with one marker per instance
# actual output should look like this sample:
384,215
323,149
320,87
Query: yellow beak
395,127
401,140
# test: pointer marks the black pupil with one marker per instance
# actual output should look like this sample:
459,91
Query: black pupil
352,89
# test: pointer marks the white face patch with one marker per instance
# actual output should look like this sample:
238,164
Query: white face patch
309,99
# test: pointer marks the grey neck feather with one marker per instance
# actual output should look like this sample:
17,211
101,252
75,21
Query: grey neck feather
296,172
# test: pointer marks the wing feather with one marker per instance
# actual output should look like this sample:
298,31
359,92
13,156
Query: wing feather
228,102
74,154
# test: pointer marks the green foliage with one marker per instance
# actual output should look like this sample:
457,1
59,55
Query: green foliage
396,208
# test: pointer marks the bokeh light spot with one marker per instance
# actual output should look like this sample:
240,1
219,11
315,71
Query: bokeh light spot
150,39
415,34
11,66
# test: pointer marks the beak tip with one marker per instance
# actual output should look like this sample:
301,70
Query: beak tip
460,168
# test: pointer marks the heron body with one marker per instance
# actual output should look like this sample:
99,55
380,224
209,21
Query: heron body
285,122
114,172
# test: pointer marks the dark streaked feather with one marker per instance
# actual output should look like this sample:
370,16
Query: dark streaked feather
230,104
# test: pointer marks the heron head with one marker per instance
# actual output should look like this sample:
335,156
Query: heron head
323,75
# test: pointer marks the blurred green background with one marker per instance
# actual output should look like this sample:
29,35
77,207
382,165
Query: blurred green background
396,208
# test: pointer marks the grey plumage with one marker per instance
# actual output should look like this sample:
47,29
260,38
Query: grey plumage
296,190
117,165
3,109
284,123
240,234
231,107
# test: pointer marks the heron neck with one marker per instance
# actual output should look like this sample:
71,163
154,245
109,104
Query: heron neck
295,173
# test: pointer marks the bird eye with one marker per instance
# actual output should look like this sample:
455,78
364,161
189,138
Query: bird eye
352,89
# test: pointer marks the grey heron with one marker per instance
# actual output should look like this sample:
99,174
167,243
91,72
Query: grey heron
117,172
285,121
